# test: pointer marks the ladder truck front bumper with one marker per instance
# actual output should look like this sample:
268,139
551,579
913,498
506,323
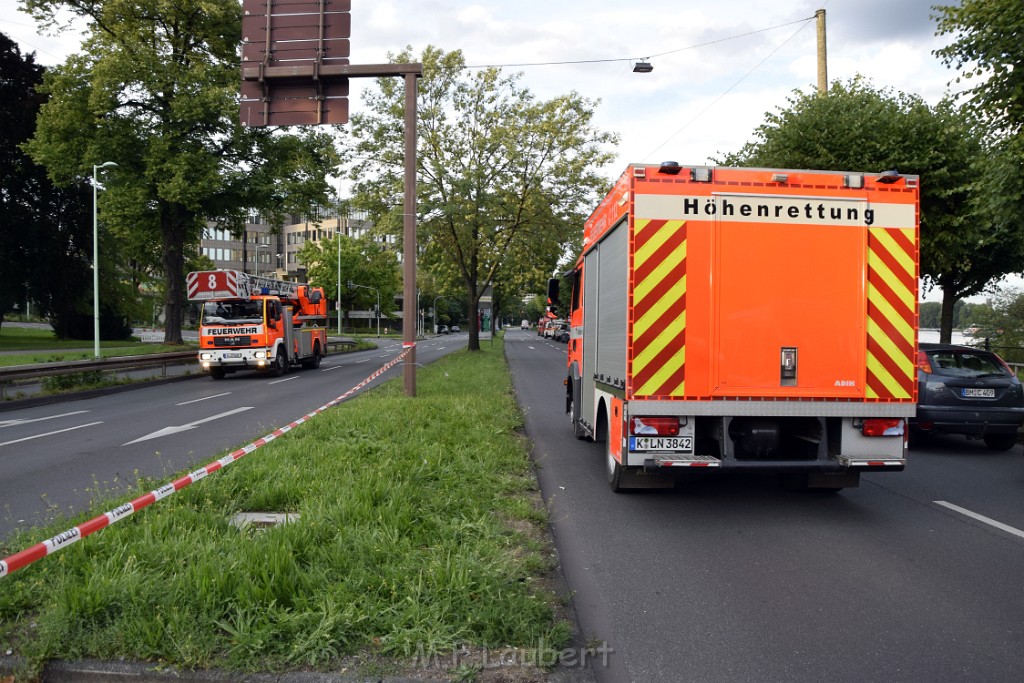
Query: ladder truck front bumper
235,359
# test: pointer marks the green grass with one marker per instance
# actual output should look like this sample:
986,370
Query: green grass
53,350
420,530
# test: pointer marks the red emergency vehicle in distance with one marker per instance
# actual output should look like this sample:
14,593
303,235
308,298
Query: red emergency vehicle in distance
257,323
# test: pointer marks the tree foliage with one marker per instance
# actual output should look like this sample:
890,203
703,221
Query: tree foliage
966,241
965,314
364,261
503,180
988,52
155,90
1001,324
45,231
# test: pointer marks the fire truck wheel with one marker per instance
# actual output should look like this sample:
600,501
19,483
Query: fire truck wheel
615,472
280,364
217,373
314,362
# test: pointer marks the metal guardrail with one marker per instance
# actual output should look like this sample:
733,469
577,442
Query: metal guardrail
74,366
14,373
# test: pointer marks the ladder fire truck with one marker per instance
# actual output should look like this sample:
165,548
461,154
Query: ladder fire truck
746,319
250,322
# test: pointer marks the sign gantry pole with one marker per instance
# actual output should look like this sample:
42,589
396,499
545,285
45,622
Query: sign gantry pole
295,72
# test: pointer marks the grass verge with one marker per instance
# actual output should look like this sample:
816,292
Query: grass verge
419,531
52,350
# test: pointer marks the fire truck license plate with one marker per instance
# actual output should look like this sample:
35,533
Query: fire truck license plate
232,355
674,444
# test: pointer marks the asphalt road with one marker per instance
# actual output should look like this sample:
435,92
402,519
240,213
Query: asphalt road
58,457
732,578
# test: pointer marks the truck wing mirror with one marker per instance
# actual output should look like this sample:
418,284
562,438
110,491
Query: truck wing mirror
553,292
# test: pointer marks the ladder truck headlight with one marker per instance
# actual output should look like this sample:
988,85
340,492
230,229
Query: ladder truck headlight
206,356
260,354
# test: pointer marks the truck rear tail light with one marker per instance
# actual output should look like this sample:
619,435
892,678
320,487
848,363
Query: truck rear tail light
923,363
882,426
654,426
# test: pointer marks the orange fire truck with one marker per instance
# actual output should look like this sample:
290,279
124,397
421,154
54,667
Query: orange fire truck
746,319
257,323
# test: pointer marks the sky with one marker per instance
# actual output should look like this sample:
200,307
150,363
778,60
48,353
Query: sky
719,65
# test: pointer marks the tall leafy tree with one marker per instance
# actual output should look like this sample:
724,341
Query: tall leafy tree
45,231
155,91
965,244
988,51
364,261
503,179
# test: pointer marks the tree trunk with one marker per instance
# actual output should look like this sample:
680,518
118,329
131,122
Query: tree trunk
946,319
474,320
173,222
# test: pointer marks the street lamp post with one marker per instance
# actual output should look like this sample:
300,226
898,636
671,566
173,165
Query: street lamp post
96,260
377,312
337,236
435,311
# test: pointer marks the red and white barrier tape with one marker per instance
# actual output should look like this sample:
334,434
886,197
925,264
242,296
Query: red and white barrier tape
62,540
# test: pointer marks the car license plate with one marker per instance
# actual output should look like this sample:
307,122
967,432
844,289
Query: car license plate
979,393
661,444
232,355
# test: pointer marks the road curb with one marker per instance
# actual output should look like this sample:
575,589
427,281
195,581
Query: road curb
98,671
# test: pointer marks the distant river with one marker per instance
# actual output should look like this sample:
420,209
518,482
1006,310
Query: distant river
932,336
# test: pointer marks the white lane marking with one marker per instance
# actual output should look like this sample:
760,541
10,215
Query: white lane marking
333,367
166,431
365,360
11,423
59,431
207,398
286,379
981,518
531,347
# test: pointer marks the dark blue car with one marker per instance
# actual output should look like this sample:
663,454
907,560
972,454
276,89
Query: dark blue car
963,390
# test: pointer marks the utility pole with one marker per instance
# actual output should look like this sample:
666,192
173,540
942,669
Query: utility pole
822,54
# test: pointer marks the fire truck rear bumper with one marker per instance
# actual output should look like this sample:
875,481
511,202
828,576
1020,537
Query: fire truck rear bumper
842,464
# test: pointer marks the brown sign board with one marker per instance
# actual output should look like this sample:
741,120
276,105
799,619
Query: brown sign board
291,54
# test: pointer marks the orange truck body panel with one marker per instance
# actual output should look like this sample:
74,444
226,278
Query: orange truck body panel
724,285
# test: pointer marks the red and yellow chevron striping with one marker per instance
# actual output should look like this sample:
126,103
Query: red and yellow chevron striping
659,308
892,301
